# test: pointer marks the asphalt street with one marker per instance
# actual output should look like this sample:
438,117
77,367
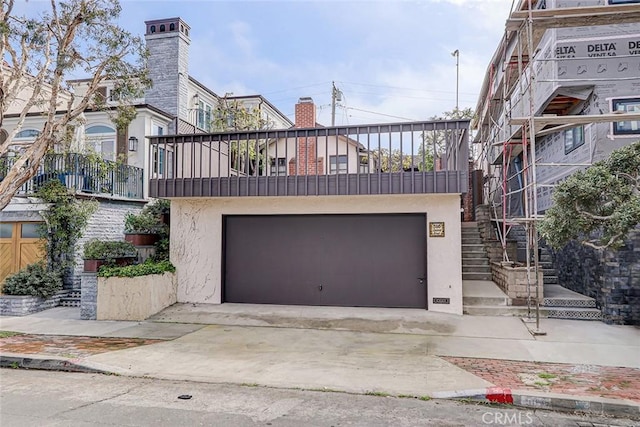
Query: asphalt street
41,398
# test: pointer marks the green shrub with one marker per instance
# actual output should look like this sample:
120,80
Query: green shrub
108,249
148,267
142,223
158,208
33,280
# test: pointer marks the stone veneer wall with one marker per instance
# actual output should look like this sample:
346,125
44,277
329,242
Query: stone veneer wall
513,282
88,296
489,238
612,278
107,223
21,305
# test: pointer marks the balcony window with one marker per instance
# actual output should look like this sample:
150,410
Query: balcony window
338,164
102,139
573,138
629,105
278,166
203,120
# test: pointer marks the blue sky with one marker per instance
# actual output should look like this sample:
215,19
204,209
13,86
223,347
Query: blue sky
389,58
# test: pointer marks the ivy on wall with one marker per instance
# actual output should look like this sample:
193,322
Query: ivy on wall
65,220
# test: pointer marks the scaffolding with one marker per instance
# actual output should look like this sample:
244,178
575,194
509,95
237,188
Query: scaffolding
509,122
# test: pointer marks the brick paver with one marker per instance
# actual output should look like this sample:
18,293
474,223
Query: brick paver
68,346
564,378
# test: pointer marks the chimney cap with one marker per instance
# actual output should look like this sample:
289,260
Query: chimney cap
305,100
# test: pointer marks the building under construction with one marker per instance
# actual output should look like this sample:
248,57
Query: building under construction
562,91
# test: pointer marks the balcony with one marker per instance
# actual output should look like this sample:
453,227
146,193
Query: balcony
84,175
401,158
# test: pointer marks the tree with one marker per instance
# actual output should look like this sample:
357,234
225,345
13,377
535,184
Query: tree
231,115
597,206
41,55
438,139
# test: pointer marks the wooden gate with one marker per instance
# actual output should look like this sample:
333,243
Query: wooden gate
20,245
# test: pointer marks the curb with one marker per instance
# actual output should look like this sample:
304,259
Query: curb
47,364
550,401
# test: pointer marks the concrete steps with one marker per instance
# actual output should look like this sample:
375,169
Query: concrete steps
72,299
475,263
562,303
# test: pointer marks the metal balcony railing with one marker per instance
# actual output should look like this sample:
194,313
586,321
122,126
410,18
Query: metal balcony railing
83,174
400,158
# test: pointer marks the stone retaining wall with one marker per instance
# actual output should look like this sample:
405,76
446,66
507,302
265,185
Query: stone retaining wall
612,278
22,305
107,223
513,282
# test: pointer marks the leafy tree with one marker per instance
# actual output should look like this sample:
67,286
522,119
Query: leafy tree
597,206
391,161
231,115
42,54
439,139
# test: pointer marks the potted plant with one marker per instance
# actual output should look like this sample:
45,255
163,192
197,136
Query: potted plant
107,252
142,229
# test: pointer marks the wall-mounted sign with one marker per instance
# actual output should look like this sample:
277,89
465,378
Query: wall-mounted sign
441,301
436,229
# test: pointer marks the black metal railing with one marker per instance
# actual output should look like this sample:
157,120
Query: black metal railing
400,158
83,174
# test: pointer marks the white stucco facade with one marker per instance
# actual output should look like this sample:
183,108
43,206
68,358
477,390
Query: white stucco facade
197,229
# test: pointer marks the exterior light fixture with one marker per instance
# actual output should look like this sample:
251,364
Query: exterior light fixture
133,143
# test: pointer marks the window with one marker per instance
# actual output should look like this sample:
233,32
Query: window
338,164
152,29
278,166
623,1
204,116
162,28
631,127
364,164
158,161
6,230
573,138
30,230
102,138
27,134
99,129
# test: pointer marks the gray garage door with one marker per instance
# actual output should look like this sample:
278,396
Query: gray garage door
340,260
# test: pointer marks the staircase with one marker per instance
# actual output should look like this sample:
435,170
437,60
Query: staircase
475,262
71,299
562,303
482,297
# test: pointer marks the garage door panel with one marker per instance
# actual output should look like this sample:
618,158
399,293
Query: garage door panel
342,260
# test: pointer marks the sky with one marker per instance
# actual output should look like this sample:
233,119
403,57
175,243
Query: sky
391,59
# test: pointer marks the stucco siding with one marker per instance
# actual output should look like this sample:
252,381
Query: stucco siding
196,237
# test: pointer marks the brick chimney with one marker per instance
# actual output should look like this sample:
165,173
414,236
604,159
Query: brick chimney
306,161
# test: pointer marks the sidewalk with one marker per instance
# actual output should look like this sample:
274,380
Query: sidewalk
577,365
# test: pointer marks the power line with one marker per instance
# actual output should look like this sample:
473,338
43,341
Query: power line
406,88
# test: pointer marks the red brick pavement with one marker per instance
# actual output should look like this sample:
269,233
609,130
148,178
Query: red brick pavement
563,378
67,346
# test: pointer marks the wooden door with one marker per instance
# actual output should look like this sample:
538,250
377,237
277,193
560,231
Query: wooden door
20,245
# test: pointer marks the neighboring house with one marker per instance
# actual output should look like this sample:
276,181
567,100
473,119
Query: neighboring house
561,92
321,155
176,103
586,63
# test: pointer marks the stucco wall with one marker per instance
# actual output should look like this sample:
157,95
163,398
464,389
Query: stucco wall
196,237
134,298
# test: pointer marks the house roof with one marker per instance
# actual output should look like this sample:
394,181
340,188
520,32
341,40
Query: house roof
262,99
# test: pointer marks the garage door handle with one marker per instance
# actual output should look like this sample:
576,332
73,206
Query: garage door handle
421,280
320,287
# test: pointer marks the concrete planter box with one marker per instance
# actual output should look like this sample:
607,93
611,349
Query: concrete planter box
512,279
134,298
22,305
